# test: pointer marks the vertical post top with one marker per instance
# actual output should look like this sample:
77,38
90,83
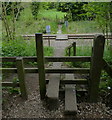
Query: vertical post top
99,35
19,58
38,34
99,38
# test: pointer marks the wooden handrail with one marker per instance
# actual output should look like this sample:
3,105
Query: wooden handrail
68,49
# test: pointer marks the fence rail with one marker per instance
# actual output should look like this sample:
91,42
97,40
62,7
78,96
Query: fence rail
70,36
97,64
49,59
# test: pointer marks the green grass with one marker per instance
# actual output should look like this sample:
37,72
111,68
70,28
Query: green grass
81,27
27,25
52,14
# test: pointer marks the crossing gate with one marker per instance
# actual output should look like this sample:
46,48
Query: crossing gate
52,89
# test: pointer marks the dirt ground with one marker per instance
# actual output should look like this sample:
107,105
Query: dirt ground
15,107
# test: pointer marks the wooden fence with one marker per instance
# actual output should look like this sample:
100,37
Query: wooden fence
97,64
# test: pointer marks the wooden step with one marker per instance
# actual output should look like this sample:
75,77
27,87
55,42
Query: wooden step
54,82
53,86
70,97
70,100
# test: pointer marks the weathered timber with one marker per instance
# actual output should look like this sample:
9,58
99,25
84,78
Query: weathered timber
21,77
50,59
74,51
40,61
8,70
74,48
80,37
70,100
70,96
60,70
50,35
54,82
69,51
69,46
96,66
70,36
48,70
68,59
69,81
68,70
74,81
10,84
53,87
61,37
85,36
107,68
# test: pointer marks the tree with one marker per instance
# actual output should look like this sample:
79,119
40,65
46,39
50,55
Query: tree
10,14
35,9
101,12
75,8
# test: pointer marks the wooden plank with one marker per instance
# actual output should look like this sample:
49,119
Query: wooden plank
96,66
60,70
80,37
85,36
21,77
54,82
70,96
74,81
10,84
53,87
8,59
50,59
8,70
50,35
70,100
40,61
61,37
48,70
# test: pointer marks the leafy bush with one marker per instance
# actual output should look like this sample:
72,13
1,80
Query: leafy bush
14,48
21,47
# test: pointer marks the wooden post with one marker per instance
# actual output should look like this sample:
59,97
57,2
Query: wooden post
48,41
69,51
40,61
74,51
96,66
21,77
74,48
